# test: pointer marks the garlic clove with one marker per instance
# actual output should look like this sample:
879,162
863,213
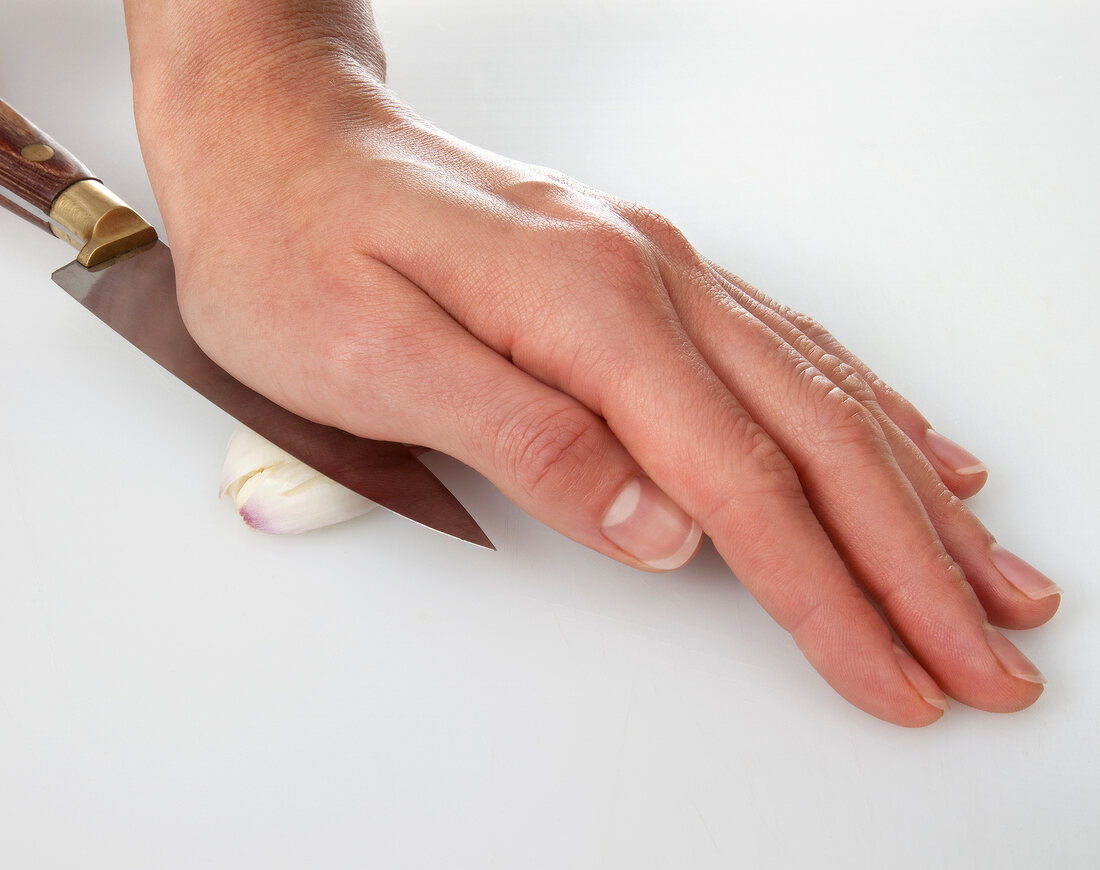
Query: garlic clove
246,454
278,494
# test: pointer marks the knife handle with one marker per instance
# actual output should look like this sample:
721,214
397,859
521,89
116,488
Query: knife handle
74,205
32,165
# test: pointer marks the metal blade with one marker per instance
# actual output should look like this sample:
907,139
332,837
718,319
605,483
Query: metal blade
136,297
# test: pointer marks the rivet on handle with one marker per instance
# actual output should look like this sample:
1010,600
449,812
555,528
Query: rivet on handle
37,152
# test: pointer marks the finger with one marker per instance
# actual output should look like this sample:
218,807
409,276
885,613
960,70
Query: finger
860,495
962,472
1014,594
724,468
544,450
585,313
692,438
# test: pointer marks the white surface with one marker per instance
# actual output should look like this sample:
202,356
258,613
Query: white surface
176,691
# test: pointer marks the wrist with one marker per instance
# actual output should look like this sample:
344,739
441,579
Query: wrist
224,32
197,58
215,79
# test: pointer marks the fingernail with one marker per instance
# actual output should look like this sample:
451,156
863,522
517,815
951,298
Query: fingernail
1011,659
920,680
952,455
1020,574
650,526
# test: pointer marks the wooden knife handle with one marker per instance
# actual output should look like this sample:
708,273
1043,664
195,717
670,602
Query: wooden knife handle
74,205
33,166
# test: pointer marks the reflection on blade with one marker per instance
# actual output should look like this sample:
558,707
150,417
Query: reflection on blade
137,298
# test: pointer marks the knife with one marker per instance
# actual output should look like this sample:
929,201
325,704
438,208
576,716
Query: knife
125,276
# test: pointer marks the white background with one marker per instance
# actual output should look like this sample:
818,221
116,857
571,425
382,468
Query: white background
178,691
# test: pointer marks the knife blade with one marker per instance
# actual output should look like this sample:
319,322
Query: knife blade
125,276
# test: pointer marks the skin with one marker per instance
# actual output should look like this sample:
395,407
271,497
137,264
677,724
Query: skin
363,268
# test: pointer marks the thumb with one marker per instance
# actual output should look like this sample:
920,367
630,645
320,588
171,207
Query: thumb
542,448
562,464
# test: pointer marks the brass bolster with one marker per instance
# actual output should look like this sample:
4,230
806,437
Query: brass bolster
96,222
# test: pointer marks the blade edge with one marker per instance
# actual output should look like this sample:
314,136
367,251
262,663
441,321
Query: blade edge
136,298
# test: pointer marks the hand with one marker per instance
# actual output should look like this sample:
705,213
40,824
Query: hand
357,265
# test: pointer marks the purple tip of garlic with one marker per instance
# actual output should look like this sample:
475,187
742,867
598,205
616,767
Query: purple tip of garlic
278,494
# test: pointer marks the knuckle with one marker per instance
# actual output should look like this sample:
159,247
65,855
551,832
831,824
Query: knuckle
947,503
661,231
878,386
829,348
771,463
810,327
854,425
848,378
894,403
547,448
621,258
542,192
762,461
945,507
834,417
929,610
810,621
821,617
763,474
